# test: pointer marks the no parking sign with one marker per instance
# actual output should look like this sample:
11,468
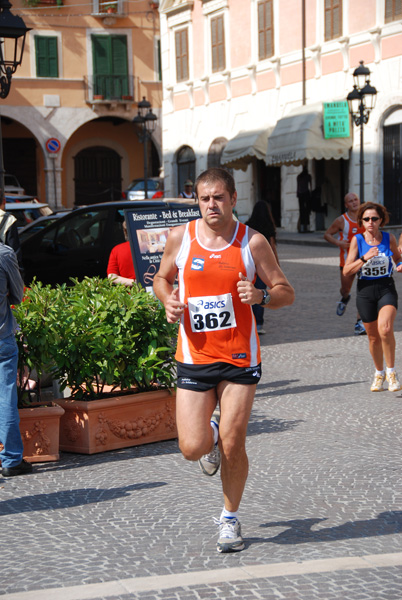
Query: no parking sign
53,145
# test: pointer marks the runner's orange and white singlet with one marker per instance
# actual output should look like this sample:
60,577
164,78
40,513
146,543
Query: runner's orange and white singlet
350,229
216,326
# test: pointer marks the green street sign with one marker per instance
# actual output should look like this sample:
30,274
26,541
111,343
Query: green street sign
336,120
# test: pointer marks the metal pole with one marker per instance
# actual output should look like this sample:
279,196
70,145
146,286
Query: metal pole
303,49
145,162
54,182
1,162
361,107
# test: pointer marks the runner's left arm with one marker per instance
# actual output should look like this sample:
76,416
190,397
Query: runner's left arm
280,290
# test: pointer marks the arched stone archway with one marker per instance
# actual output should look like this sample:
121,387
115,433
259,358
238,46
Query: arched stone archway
21,154
392,167
185,166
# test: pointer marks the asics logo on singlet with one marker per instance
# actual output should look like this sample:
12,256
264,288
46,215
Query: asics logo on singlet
209,305
215,255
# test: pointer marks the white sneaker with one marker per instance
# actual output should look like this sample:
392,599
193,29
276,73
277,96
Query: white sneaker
393,382
376,386
210,463
230,539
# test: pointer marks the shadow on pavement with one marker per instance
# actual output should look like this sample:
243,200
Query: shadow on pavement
299,389
258,425
300,530
71,498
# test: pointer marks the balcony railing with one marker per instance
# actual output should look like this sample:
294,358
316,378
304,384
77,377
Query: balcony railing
104,7
109,88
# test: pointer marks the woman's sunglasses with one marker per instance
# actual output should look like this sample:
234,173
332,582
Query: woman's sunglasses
374,219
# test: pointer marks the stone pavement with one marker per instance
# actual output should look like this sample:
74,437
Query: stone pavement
322,510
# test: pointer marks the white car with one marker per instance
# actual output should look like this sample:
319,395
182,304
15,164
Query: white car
136,191
12,185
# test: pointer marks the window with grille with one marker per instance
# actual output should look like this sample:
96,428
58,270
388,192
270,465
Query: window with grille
333,19
47,62
181,43
265,29
393,10
218,44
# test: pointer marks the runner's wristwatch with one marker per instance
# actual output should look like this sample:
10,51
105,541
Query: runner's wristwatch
266,298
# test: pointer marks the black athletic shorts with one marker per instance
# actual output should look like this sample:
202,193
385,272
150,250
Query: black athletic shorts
202,378
373,295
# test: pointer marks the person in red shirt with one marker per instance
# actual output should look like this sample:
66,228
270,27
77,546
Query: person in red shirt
120,268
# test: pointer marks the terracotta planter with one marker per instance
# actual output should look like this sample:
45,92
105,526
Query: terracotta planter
88,427
40,429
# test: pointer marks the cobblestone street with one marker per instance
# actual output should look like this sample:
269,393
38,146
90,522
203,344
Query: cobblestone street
322,510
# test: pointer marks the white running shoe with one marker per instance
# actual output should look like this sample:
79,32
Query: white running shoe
376,386
230,539
210,463
393,382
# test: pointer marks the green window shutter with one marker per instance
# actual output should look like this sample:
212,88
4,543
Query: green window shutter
110,65
47,63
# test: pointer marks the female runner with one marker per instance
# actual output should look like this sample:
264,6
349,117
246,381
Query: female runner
370,255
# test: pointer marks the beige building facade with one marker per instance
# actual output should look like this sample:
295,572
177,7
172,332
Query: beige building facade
237,72
67,123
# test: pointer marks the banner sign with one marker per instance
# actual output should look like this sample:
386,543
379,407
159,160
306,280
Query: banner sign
148,231
336,120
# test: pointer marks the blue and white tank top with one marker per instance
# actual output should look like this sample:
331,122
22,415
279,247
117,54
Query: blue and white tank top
377,266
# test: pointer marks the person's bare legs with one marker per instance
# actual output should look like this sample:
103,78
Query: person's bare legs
375,345
346,284
236,402
193,415
385,325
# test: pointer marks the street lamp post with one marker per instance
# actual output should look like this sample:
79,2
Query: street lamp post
361,102
12,35
146,120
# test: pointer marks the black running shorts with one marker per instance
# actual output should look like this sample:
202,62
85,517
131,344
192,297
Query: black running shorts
373,295
202,378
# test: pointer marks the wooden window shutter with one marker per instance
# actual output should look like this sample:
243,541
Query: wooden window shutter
333,19
218,44
393,10
265,29
110,65
47,64
181,44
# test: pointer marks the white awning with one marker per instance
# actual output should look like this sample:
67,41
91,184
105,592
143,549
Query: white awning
300,136
244,147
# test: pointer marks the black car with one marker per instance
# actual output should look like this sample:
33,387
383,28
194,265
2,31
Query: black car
79,243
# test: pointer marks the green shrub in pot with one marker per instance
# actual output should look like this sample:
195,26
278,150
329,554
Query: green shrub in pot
98,337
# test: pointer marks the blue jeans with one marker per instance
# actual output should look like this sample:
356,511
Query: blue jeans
10,435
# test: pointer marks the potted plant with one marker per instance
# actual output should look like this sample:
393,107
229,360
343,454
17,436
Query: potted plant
39,421
110,8
112,348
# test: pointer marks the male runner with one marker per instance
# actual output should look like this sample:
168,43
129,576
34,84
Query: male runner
345,228
216,259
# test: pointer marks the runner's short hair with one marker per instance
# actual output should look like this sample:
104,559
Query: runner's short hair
216,174
379,208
